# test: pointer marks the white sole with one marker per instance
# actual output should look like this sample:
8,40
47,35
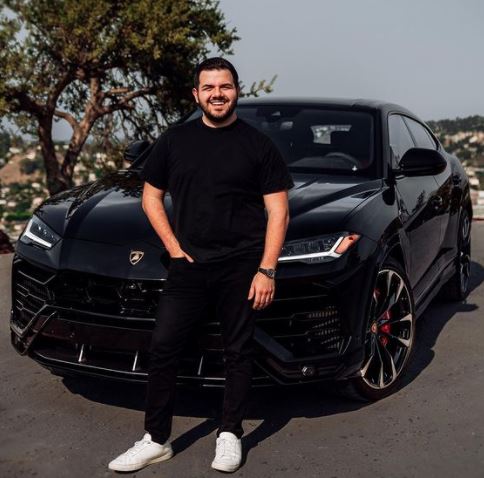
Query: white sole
164,457
223,467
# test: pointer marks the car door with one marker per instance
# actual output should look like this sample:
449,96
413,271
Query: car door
418,202
424,139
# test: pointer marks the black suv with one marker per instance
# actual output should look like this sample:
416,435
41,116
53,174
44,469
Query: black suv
380,220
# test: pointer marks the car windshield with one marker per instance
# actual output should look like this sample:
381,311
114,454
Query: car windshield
316,140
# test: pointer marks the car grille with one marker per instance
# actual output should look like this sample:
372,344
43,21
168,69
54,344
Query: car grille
302,318
88,292
30,287
106,295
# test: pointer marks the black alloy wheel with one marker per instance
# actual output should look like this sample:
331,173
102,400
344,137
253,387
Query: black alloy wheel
389,336
457,288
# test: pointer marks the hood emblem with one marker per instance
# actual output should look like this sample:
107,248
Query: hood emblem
135,256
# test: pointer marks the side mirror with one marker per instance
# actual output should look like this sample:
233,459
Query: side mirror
134,149
421,162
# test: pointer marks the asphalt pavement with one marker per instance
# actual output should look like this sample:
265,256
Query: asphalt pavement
432,427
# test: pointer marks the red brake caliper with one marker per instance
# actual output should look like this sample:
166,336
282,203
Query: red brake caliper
385,328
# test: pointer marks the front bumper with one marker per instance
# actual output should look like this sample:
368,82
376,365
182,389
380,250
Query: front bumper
79,322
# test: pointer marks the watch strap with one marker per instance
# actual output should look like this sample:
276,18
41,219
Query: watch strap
271,273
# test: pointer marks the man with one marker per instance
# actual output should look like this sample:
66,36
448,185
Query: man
221,174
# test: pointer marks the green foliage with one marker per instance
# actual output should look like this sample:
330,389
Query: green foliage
142,55
30,166
17,216
94,61
22,194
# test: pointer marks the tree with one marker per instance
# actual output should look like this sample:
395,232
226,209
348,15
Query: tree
119,62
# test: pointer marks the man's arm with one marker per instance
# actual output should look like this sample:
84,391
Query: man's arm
152,204
263,287
277,221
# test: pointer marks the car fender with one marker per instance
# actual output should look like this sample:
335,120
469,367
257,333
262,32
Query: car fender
378,218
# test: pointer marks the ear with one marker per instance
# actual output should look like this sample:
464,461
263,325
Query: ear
195,95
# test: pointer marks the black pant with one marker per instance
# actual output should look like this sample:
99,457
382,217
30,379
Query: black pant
189,288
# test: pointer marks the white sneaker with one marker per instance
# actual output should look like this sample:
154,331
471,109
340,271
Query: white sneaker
228,453
143,453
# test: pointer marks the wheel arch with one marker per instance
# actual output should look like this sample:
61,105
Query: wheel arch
396,253
393,248
390,248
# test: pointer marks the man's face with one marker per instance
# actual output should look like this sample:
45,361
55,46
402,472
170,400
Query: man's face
216,94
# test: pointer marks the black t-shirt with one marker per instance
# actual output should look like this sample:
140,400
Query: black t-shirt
216,178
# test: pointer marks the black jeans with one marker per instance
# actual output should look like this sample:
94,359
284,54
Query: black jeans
189,288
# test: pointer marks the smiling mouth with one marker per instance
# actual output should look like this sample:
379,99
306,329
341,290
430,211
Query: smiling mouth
217,103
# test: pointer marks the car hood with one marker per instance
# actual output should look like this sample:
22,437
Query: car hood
109,210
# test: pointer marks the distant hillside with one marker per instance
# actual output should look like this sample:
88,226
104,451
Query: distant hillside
453,126
463,137
22,167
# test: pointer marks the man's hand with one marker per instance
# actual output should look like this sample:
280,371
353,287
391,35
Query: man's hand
262,289
180,253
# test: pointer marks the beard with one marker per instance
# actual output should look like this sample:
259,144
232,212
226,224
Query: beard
220,117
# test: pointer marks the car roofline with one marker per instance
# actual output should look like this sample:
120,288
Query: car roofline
350,103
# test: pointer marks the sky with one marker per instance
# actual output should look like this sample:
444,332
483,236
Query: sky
425,55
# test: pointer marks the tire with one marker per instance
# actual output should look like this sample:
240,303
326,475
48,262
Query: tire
389,336
457,287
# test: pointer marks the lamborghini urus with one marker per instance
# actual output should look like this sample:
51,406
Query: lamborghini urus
380,222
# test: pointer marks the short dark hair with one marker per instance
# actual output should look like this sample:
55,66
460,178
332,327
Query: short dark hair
215,63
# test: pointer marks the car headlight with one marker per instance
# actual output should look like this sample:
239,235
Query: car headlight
318,249
39,233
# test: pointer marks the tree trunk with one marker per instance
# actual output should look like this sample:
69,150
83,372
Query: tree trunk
56,181
78,139
59,176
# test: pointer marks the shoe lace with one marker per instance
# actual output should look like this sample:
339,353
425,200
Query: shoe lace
226,447
138,445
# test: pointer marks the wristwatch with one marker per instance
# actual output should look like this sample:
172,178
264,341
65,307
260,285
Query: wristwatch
268,272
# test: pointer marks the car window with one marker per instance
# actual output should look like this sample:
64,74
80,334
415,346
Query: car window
399,136
313,139
421,135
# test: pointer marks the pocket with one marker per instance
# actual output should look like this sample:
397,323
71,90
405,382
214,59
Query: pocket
176,260
180,260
